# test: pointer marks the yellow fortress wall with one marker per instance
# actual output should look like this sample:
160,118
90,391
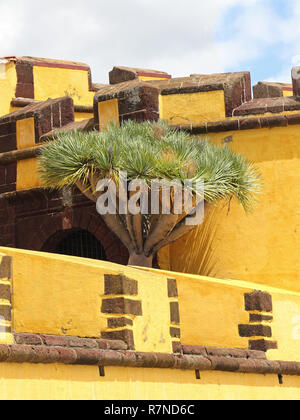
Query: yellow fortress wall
56,282
230,288
262,246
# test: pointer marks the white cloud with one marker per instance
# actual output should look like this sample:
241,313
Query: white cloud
178,37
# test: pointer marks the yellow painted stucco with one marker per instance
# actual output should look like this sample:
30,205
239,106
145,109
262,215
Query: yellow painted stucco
262,246
25,133
58,382
148,78
80,116
287,92
60,307
8,82
52,82
27,174
108,112
192,107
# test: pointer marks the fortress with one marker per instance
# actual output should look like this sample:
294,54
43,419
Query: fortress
219,316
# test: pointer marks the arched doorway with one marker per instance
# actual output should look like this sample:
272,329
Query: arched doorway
77,243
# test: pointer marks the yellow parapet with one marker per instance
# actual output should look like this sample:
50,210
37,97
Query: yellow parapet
192,107
72,296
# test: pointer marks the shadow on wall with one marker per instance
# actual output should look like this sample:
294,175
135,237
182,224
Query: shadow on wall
200,246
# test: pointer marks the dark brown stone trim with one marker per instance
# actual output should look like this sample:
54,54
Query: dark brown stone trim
25,82
260,318
240,123
67,341
119,322
222,352
5,292
175,315
122,306
5,267
37,354
20,102
175,332
263,345
15,155
258,301
60,65
255,331
120,285
123,335
5,312
172,288
181,89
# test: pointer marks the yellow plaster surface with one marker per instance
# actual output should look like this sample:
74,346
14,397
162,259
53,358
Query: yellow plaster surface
56,82
108,112
262,246
58,382
68,294
147,78
192,107
80,116
27,174
25,133
8,82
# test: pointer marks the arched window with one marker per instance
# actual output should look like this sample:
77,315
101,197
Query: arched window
78,243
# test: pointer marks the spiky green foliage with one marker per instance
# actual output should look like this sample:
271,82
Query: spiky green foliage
149,151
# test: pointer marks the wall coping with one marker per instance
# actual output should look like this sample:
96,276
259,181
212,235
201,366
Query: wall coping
47,349
241,123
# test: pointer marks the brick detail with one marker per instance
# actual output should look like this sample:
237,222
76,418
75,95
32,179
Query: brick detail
119,322
172,288
124,335
120,328
8,178
260,318
255,331
268,90
48,115
110,353
174,310
5,312
5,267
25,82
258,301
8,137
68,341
122,306
120,285
263,345
5,293
175,332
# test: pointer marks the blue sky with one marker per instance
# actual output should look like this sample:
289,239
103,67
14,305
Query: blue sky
275,54
181,38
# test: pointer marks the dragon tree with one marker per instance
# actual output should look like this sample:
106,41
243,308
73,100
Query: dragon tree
147,155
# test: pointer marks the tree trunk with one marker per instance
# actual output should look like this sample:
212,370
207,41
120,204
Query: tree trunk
140,260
